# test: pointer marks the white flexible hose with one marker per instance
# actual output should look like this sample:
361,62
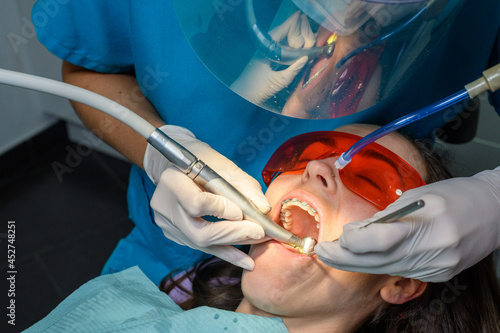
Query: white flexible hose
78,94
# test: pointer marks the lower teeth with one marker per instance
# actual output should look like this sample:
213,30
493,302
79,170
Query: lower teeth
311,79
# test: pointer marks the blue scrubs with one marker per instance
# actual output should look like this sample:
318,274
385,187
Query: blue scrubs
115,36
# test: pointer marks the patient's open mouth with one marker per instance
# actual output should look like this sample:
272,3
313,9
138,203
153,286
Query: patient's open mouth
314,70
300,218
317,66
313,73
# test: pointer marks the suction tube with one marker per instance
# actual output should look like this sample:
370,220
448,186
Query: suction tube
183,159
346,157
489,81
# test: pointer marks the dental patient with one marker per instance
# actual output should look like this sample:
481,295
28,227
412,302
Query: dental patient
310,198
291,292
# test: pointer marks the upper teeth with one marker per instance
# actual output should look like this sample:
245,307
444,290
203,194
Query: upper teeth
286,215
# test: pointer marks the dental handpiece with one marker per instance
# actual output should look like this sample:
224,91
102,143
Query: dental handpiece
275,51
208,179
175,153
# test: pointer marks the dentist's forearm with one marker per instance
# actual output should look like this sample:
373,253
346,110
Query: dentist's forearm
123,89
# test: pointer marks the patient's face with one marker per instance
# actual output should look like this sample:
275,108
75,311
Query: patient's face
287,283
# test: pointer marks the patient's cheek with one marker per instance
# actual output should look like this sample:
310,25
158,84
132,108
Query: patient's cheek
354,208
360,214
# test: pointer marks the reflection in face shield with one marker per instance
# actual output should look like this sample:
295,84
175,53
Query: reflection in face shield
342,56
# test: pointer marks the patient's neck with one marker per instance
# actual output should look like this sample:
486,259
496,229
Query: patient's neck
347,321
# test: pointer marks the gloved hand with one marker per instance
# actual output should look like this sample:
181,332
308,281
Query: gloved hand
458,226
259,81
178,202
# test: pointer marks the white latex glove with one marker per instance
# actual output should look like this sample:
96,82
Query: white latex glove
178,202
458,226
258,81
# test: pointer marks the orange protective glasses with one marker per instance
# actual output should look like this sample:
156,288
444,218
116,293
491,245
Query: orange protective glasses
375,173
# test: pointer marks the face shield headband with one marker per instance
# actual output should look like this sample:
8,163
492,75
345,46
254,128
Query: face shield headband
346,16
376,174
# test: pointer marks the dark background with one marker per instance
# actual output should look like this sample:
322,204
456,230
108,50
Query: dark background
65,230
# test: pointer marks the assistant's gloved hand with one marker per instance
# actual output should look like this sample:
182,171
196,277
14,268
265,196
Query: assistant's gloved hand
258,81
458,226
178,202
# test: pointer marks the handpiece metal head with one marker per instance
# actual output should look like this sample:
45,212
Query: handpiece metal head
307,246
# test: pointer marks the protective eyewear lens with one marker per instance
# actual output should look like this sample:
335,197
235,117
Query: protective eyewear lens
375,173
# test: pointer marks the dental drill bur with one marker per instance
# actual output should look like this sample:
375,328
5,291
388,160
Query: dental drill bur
208,179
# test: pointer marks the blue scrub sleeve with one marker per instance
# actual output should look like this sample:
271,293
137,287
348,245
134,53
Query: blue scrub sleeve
91,34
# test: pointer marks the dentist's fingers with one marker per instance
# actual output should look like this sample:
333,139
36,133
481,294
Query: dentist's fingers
205,233
287,75
375,237
334,255
225,252
232,255
306,32
295,38
282,31
193,199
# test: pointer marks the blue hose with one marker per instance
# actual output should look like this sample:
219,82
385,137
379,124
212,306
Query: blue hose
346,157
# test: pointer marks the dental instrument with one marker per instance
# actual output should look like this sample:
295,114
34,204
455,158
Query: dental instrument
394,216
183,159
283,54
489,81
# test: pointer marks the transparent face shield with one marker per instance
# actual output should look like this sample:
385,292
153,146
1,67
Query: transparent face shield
314,59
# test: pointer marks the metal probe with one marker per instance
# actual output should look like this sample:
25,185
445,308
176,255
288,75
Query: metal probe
394,216
208,179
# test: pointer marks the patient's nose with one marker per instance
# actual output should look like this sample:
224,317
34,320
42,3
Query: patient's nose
321,172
